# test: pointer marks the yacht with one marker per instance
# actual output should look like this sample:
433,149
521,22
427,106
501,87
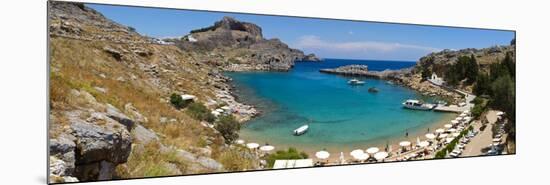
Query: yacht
356,82
417,105
301,130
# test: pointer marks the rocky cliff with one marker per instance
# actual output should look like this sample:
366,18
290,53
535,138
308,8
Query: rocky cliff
240,46
110,115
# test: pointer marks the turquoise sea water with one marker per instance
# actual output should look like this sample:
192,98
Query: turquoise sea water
339,115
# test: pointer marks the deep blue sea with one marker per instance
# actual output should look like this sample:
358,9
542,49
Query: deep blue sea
340,116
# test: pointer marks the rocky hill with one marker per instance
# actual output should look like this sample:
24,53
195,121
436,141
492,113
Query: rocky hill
438,61
110,111
240,46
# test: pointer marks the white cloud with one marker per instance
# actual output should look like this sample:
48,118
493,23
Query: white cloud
316,43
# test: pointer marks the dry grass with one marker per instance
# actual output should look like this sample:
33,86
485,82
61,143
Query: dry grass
234,160
79,65
80,72
148,161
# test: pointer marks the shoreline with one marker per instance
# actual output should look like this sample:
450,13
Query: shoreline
408,82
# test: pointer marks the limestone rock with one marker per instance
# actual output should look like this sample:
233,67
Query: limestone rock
134,113
143,135
115,114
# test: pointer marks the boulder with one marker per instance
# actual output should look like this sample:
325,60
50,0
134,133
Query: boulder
95,143
63,148
134,113
101,143
115,114
113,52
143,135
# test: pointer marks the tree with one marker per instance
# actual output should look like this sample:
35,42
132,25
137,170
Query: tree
510,64
504,97
482,85
472,69
228,127
426,73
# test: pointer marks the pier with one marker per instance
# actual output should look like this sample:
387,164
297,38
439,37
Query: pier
458,109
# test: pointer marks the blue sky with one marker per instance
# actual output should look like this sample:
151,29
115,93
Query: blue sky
325,38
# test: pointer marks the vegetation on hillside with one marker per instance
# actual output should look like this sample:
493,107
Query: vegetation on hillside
200,112
229,127
466,68
291,153
496,84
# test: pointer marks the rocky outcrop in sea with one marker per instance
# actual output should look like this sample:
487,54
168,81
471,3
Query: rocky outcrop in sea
362,70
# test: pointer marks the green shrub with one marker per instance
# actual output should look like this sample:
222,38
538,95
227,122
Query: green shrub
291,153
450,147
229,127
177,101
200,112
480,106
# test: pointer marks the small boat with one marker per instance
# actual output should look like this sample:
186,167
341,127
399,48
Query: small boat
417,105
373,90
301,130
356,82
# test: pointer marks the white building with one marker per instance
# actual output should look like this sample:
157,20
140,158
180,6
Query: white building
434,79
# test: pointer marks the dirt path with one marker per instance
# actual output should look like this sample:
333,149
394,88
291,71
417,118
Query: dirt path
483,139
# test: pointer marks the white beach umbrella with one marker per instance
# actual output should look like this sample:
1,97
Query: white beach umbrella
443,135
456,134
240,141
496,140
466,112
468,118
424,144
356,152
252,145
267,148
380,155
449,139
454,122
362,156
458,119
405,143
322,154
372,150
447,125
452,130
430,136
463,115
439,130
500,113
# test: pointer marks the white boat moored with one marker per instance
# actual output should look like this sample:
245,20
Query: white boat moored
356,82
417,105
301,130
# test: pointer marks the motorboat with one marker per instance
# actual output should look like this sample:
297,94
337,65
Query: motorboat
301,130
417,105
356,82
